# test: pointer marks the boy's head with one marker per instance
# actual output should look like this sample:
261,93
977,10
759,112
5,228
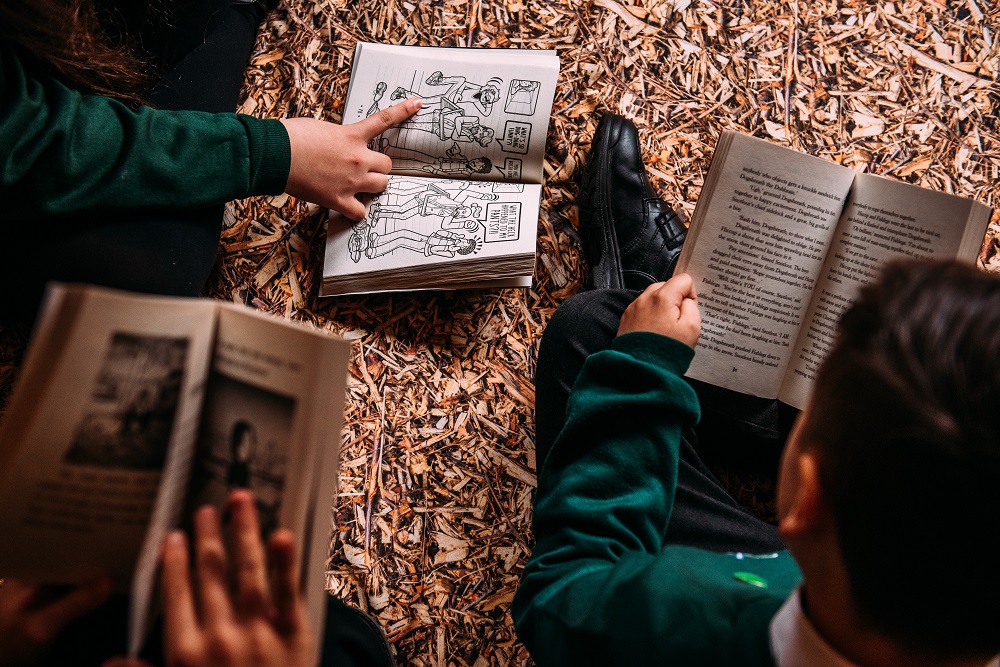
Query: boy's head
902,429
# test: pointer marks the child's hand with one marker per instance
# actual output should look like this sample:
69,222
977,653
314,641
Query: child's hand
332,164
669,308
261,622
31,618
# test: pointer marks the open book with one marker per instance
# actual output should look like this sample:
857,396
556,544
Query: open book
778,246
132,411
461,209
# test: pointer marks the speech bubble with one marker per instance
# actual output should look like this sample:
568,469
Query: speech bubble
515,137
511,169
507,187
503,221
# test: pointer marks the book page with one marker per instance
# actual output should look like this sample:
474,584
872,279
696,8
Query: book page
430,222
272,423
485,112
884,220
760,232
111,424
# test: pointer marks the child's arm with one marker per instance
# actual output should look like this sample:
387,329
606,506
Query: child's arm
65,151
601,586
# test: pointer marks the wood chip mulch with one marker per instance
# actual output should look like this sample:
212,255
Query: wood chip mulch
437,475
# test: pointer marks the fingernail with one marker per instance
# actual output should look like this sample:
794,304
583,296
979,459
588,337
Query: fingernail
240,497
416,103
206,518
175,539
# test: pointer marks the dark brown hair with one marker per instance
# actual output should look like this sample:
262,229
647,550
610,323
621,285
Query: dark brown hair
68,37
903,420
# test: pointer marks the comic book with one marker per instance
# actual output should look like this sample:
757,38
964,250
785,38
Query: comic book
462,205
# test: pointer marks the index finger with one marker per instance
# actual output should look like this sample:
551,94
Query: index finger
379,122
211,566
248,555
179,617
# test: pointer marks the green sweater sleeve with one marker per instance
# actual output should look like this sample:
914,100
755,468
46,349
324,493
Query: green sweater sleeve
601,587
62,151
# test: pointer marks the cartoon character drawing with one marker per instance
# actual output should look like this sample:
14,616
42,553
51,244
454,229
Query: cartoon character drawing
522,97
460,91
448,122
430,200
453,164
442,243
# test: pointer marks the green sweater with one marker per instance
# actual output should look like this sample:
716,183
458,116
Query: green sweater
62,151
602,587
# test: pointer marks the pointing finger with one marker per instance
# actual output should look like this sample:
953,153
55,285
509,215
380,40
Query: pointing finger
351,208
378,123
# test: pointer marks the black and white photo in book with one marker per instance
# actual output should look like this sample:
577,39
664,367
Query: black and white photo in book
130,412
243,443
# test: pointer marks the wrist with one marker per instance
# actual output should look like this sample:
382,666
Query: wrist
270,155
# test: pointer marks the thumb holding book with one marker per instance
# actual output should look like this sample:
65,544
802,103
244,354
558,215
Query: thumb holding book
669,308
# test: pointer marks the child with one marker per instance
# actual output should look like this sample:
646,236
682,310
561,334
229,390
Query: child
119,144
886,494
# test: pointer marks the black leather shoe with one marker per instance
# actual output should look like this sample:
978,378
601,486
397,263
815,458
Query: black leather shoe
631,238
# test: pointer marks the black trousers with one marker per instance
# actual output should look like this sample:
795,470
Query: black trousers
732,426
202,48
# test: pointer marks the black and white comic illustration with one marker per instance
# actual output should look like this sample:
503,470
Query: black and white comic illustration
128,417
522,97
464,129
243,443
435,218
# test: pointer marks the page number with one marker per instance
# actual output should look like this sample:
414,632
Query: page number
734,369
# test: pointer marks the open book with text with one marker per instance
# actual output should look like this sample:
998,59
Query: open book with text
462,205
131,411
779,244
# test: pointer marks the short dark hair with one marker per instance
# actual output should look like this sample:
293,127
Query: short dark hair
903,420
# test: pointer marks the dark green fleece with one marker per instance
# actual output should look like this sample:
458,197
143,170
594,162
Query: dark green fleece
62,151
602,587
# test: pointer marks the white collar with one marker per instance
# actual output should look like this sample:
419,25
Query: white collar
795,642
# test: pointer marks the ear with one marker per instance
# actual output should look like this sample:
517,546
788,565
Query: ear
808,509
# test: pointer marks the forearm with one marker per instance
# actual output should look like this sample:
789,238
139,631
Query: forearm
606,490
64,151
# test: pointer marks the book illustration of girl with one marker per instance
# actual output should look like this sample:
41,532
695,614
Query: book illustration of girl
428,204
428,200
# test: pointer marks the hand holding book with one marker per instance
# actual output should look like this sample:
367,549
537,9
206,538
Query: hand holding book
669,308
